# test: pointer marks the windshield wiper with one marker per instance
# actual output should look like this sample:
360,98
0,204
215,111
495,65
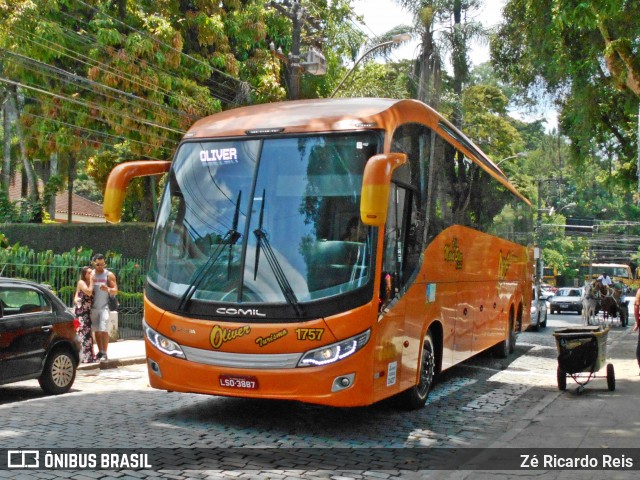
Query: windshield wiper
229,239
273,262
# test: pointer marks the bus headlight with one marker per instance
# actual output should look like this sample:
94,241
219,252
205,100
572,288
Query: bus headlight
162,343
334,352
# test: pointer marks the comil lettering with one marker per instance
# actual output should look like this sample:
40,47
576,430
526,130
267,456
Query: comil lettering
219,155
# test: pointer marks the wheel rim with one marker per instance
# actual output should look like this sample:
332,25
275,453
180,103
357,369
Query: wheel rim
62,370
426,368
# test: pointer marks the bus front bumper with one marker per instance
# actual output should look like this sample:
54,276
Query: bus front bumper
345,383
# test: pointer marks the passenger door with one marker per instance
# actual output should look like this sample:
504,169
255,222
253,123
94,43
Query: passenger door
25,331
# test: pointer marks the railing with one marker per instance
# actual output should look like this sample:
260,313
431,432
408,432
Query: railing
61,276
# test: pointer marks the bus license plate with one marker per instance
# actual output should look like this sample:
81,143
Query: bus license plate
234,381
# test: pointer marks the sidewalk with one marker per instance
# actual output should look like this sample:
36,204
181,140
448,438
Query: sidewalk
594,419
120,353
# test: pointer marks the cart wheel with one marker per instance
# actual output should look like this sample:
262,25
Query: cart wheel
562,380
611,377
624,316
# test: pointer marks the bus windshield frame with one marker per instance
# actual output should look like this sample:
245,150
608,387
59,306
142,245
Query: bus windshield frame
268,223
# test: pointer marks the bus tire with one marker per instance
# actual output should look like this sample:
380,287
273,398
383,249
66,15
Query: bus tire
416,396
507,346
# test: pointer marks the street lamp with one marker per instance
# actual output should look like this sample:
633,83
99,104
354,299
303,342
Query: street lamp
399,38
517,155
551,210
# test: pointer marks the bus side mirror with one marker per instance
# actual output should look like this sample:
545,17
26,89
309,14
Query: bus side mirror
376,184
118,180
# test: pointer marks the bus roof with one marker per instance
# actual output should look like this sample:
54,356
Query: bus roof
336,114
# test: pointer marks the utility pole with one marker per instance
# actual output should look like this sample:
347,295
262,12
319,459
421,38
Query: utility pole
300,20
539,239
539,263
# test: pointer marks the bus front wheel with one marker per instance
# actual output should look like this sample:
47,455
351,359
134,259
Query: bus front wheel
416,396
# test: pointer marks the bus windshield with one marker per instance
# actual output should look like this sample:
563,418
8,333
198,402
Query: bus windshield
267,220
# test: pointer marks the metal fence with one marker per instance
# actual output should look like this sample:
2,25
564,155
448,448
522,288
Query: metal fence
62,279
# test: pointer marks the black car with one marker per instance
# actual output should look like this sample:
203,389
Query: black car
37,337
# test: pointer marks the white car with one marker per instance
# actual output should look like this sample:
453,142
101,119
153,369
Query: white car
538,311
566,299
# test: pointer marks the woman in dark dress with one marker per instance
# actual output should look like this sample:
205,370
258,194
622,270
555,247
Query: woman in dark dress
83,299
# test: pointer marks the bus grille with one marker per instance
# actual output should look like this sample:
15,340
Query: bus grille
242,360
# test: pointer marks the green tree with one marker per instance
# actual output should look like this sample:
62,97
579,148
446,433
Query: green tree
584,53
98,83
379,80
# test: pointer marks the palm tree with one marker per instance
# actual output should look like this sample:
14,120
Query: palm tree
442,26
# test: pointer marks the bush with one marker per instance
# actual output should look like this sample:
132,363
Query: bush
61,271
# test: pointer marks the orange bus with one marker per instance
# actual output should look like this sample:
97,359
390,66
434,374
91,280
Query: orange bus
334,251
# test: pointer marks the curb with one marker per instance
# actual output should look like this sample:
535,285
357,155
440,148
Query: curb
113,363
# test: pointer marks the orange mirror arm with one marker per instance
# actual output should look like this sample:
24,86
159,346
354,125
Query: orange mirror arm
119,179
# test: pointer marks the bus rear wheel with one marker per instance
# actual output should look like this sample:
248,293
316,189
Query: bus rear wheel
416,396
507,346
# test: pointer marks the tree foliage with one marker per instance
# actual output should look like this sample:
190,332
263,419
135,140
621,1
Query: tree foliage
99,82
585,53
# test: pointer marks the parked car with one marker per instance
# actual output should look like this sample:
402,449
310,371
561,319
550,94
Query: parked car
37,337
538,311
566,299
547,291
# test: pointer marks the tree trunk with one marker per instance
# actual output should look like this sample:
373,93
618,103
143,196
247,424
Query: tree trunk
430,74
6,159
458,57
71,173
53,171
32,186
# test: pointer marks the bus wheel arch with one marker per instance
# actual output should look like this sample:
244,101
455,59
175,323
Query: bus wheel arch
437,336
429,363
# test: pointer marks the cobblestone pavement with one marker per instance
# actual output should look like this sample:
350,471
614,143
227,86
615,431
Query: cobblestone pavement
471,406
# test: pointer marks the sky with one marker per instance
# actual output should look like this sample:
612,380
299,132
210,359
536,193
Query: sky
381,15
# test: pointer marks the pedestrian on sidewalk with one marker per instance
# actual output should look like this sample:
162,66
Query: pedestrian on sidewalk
82,300
104,285
636,311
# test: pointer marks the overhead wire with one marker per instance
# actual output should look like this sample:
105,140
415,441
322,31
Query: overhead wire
84,139
67,109
92,131
93,41
109,69
158,41
92,105
41,68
